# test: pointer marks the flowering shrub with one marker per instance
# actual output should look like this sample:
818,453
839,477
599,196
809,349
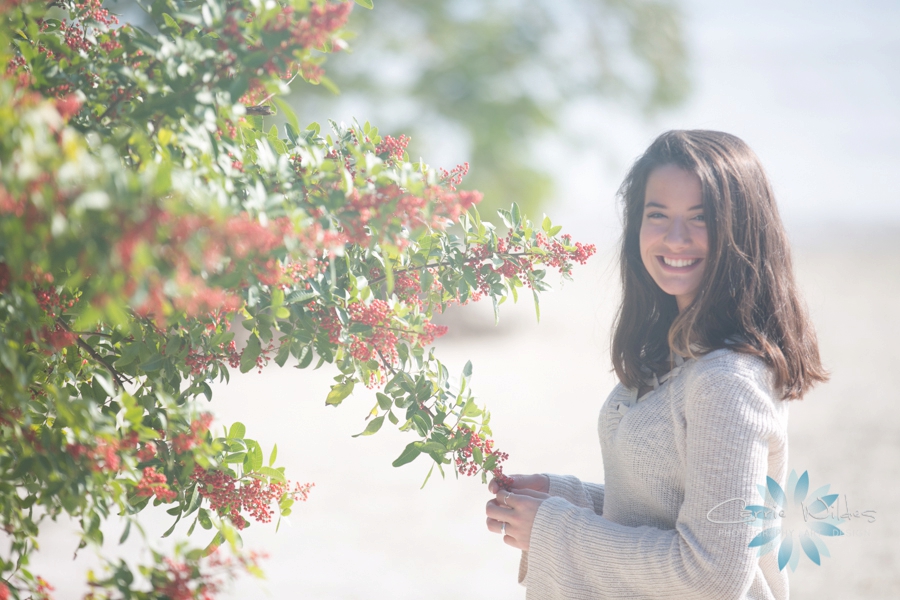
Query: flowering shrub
145,213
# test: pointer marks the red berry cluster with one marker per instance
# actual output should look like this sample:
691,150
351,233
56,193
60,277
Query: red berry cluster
393,147
41,590
146,452
465,459
228,495
103,455
313,31
68,106
183,442
311,72
454,177
180,582
559,257
154,483
221,246
233,356
449,204
383,341
51,302
202,579
297,32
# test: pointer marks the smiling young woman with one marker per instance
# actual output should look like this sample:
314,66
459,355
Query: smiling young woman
710,342
673,232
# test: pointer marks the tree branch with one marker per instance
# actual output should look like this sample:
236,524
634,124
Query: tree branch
443,263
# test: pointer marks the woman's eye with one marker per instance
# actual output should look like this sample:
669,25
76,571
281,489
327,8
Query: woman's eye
655,215
701,218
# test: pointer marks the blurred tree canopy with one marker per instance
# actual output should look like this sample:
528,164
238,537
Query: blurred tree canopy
503,72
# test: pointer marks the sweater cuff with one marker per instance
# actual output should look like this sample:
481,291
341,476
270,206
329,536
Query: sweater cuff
538,565
571,489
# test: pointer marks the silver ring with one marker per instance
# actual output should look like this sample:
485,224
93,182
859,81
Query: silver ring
503,529
508,494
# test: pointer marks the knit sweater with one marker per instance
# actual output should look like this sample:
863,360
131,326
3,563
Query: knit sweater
710,433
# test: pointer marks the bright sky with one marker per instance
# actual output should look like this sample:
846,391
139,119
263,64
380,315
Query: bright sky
812,87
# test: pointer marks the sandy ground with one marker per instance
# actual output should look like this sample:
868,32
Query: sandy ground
367,530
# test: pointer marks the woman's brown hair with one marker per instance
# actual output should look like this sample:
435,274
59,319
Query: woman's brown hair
747,299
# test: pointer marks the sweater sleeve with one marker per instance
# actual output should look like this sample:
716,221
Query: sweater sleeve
575,553
579,493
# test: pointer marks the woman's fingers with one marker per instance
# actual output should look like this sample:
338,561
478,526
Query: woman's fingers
527,492
536,482
511,514
498,511
495,526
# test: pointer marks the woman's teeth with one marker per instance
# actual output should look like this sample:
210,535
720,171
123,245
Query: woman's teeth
674,262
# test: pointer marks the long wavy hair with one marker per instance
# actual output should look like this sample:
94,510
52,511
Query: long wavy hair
747,299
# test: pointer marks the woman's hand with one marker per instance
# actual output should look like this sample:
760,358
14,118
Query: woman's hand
512,515
537,483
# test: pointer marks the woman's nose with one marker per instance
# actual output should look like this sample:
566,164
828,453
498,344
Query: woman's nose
678,233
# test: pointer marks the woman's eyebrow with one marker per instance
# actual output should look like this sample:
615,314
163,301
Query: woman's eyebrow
658,205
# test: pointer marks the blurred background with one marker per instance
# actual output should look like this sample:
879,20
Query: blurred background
550,101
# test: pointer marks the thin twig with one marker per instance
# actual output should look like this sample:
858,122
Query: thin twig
264,111
444,263
93,354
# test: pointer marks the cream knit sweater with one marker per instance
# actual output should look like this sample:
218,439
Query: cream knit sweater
710,433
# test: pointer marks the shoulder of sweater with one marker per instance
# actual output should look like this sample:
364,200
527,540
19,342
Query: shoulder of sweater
727,368
727,360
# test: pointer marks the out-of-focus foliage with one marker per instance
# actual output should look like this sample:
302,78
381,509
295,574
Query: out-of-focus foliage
146,210
504,71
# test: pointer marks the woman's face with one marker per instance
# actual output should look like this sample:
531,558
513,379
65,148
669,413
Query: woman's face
673,232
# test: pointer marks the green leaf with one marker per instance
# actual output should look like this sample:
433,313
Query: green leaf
237,431
299,297
408,455
284,352
273,455
471,410
288,114
254,458
490,462
365,4
338,392
155,363
169,531
251,352
388,276
219,538
126,532
537,306
277,297
554,230
467,370
383,401
306,357
273,473
170,22
427,477
516,214
373,427
546,225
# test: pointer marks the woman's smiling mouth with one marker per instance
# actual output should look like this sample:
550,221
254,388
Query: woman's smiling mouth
678,263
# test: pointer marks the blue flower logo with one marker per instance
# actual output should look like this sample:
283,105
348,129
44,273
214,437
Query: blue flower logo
797,516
